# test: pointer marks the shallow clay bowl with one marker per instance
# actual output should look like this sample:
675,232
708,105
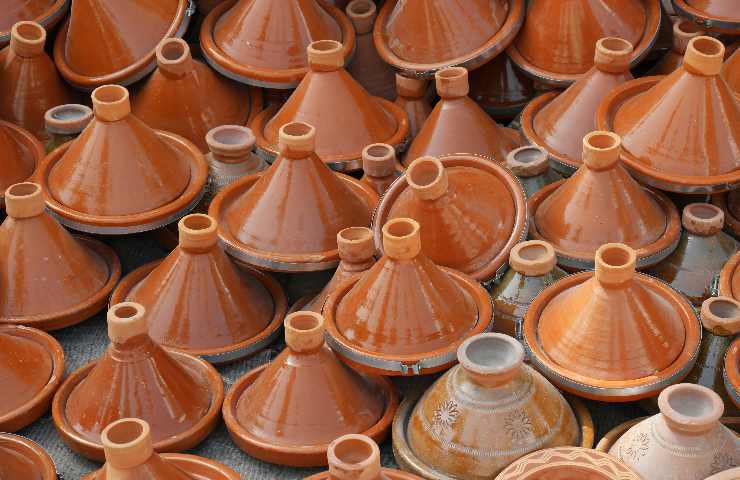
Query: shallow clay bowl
727,276
732,224
33,151
731,372
36,458
47,19
715,24
198,468
568,463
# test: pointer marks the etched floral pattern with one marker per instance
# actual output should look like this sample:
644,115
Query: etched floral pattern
445,417
637,448
722,461
518,426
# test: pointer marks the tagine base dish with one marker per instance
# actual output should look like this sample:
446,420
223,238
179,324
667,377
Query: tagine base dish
197,467
716,24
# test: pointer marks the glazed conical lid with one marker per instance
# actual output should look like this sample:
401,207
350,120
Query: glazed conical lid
15,11
683,32
15,166
731,73
500,88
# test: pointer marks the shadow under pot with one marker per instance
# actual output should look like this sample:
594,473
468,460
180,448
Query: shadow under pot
24,459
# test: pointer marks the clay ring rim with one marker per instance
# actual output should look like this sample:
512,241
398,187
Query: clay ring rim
228,353
189,464
647,256
133,223
732,223
495,45
47,19
717,24
542,462
497,265
611,104
726,275
34,151
297,456
183,441
32,451
731,371
39,404
265,77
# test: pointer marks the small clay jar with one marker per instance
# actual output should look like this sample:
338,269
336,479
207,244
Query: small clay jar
685,440
720,16
731,373
702,252
412,98
501,88
64,123
45,12
380,166
531,166
24,459
568,463
683,32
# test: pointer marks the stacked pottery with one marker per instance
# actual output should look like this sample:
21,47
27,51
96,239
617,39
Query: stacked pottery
718,15
531,166
729,202
500,88
45,12
683,32
412,98
380,167
22,458
64,123
20,155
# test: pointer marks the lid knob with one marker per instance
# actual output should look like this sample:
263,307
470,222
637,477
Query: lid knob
704,56
427,178
230,143
690,408
126,320
491,359
24,200
527,161
401,238
703,219
69,119
27,39
379,160
615,264
325,55
297,140
355,244
532,258
354,457
362,13
601,150
721,315
127,443
683,32
304,331
111,103
198,232
452,82
613,55
410,87
173,56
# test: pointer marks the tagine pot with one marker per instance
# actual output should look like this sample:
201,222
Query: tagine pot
586,333
129,455
24,459
168,177
531,165
45,12
64,123
412,98
380,167
20,155
566,463
345,116
729,278
321,399
721,16
683,31
501,88
179,395
731,372
731,73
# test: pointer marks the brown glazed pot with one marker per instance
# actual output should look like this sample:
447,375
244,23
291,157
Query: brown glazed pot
419,38
651,115
565,463
380,167
500,88
729,278
24,459
588,333
179,395
702,252
555,44
412,98
45,12
729,202
167,181
320,399
471,211
531,166
32,370
50,279
129,455
558,121
458,125
20,155
683,31
731,373
103,42
64,123
287,218
186,97
406,315
29,80
731,73
721,16
199,302
601,204
345,116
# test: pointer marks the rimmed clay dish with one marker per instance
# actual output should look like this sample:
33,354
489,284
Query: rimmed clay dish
20,155
729,202
731,372
568,462
729,278
24,459
45,12
718,15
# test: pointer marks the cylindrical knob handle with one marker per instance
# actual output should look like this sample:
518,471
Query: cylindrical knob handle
354,457
297,140
427,178
532,258
379,160
173,57
70,119
703,219
721,315
24,200
601,150
111,103
401,238
126,320
304,331
410,87
27,39
683,32
452,82
230,143
527,161
355,244
704,56
198,232
325,55
491,359
615,264
613,55
362,13
690,408
127,443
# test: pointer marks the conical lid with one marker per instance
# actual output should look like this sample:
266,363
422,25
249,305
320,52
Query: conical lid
731,73
500,88
15,164
45,12
683,32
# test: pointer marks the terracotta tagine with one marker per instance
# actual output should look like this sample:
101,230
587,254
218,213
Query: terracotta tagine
205,6
531,166
500,88
406,315
187,97
651,114
683,32
199,302
702,252
412,98
731,73
588,332
168,177
557,42
731,474
104,42
263,42
458,125
313,202
179,395
64,123
729,278
32,368
471,211
45,12
731,373
419,38
129,455
602,203
380,166
566,463
50,279
24,459
715,15
29,80
558,121
20,155
345,116
320,399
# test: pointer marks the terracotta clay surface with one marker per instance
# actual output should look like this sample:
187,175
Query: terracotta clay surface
24,459
412,98
500,88
731,73
729,278
45,12
565,463
683,31
531,166
64,123
320,399
20,155
177,394
729,202
716,15
380,166
732,372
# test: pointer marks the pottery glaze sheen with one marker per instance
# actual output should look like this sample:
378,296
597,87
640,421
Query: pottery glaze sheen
24,459
45,12
380,166
683,32
412,98
531,166
64,123
565,463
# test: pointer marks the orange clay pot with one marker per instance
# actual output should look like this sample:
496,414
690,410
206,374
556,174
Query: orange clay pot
568,462
20,155
64,123
500,88
683,31
716,15
729,278
380,167
731,372
45,12
731,73
531,166
24,459
412,98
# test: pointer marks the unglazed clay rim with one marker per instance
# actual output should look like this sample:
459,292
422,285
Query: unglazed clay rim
732,224
84,310
705,20
665,181
39,404
41,459
269,151
612,390
47,20
731,375
497,265
290,263
388,472
31,146
199,369
409,364
217,471
495,45
261,77
653,12
726,275
297,455
544,461
228,353
647,256
140,222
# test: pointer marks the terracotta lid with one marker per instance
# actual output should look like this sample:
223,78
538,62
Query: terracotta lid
555,44
129,455
345,116
45,12
287,217
683,31
320,399
179,395
168,178
32,368
100,43
51,279
731,73
731,474
471,211
501,88
732,371
558,121
22,458
263,42
419,38
20,155
568,462
412,98
406,315
657,148
588,333
715,15
458,125
380,166
600,204
729,278
69,119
